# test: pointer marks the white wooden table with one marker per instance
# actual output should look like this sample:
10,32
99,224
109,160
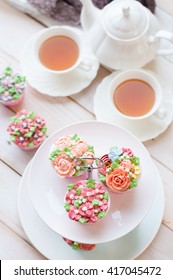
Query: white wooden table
15,30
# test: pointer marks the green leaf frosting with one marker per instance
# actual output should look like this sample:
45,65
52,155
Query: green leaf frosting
67,206
70,186
82,220
95,202
102,178
55,153
101,214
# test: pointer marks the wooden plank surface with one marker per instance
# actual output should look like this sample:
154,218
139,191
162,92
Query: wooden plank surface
16,28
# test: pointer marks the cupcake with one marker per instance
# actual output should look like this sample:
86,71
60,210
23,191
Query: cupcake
82,246
27,130
120,170
12,87
86,201
65,151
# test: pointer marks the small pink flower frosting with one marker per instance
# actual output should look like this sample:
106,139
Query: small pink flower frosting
86,201
82,246
27,130
120,170
64,152
12,87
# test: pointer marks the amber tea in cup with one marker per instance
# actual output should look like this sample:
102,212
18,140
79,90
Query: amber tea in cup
135,94
61,49
59,53
134,97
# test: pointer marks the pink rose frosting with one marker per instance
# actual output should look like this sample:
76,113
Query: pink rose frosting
68,155
63,165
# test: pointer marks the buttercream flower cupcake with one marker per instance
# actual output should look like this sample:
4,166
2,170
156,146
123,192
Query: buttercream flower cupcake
121,169
79,246
86,201
64,152
12,87
27,130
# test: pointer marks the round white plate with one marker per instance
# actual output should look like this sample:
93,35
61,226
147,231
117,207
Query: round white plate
51,245
53,84
127,210
143,129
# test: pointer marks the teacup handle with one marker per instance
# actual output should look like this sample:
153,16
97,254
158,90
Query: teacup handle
85,66
160,113
162,34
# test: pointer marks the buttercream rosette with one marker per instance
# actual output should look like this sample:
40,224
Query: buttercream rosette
12,87
79,246
65,151
120,171
86,201
27,130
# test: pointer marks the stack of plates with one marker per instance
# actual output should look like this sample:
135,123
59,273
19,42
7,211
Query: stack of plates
126,230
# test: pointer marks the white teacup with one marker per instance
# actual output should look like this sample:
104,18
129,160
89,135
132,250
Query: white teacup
70,33
144,77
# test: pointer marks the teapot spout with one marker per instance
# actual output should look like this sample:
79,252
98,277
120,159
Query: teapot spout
89,14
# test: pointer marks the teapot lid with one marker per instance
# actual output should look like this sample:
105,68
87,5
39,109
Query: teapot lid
125,19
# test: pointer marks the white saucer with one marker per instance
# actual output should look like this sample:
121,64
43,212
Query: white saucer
51,245
143,129
126,211
53,84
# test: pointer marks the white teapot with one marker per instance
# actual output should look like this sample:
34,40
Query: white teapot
124,34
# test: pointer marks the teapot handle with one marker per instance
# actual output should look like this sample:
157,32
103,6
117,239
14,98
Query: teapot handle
162,34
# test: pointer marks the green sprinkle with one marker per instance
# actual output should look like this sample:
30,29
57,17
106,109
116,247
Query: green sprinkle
90,183
135,160
16,80
16,133
102,178
91,148
28,134
31,115
12,90
133,184
22,78
101,214
106,196
30,144
78,191
70,186
44,129
75,137
67,206
76,173
14,119
114,165
77,203
55,153
75,246
2,90
8,71
16,96
95,202
12,138
82,220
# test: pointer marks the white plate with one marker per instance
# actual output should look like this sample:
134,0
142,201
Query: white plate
53,84
127,210
143,129
51,245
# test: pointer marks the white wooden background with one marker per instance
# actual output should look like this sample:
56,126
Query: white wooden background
15,29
